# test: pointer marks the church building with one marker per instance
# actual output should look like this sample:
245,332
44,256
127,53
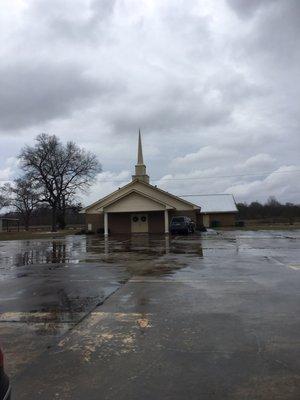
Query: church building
138,207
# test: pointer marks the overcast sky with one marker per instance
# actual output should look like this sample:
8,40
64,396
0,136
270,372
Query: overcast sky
213,85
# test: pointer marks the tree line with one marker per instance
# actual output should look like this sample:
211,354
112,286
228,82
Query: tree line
52,176
270,209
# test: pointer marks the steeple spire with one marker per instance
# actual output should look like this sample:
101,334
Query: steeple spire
140,168
140,160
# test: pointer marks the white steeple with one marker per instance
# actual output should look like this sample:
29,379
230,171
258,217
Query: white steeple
140,160
140,168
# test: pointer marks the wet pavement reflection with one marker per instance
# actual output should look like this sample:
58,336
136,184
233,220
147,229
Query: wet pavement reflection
48,287
92,249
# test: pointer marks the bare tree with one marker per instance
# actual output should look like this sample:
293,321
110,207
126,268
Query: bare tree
60,171
23,196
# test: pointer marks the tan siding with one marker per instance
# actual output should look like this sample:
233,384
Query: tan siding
134,203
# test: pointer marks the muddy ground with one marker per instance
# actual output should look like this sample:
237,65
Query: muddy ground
210,317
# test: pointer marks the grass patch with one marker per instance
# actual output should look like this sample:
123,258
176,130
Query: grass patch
261,227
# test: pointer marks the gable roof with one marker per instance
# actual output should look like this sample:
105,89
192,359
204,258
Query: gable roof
103,198
174,196
215,203
130,187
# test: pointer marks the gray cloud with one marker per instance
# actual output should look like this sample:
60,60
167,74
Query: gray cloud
170,109
73,20
32,94
275,36
248,8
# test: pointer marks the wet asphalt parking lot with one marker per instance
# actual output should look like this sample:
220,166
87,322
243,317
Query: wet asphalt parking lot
152,317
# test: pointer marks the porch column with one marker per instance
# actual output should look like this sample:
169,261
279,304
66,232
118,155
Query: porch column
166,221
105,224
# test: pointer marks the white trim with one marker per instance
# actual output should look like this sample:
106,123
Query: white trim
166,221
105,224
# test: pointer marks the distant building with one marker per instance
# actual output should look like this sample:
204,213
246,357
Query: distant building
140,207
6,224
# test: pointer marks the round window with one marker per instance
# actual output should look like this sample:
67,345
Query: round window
135,219
144,219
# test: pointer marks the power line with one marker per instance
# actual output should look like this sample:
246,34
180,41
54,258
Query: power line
226,176
220,194
207,177
196,179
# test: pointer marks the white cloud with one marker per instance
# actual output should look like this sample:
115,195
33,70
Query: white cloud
282,183
204,155
106,182
9,170
258,161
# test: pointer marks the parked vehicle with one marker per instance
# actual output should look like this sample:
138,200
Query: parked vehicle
4,381
182,225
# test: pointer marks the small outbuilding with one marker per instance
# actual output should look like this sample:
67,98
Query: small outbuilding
216,209
137,207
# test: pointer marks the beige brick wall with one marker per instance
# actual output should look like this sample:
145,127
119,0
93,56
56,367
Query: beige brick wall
225,219
96,220
156,222
119,223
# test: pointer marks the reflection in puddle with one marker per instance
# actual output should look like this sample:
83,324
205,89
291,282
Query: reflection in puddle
144,254
45,251
146,244
57,254
53,254
140,254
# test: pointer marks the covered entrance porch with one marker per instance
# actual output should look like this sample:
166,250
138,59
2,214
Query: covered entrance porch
136,222
135,212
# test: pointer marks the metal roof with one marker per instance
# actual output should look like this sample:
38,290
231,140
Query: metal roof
214,203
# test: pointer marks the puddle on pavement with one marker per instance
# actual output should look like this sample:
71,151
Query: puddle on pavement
81,249
58,281
47,286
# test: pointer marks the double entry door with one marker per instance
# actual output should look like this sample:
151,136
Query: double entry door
139,223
